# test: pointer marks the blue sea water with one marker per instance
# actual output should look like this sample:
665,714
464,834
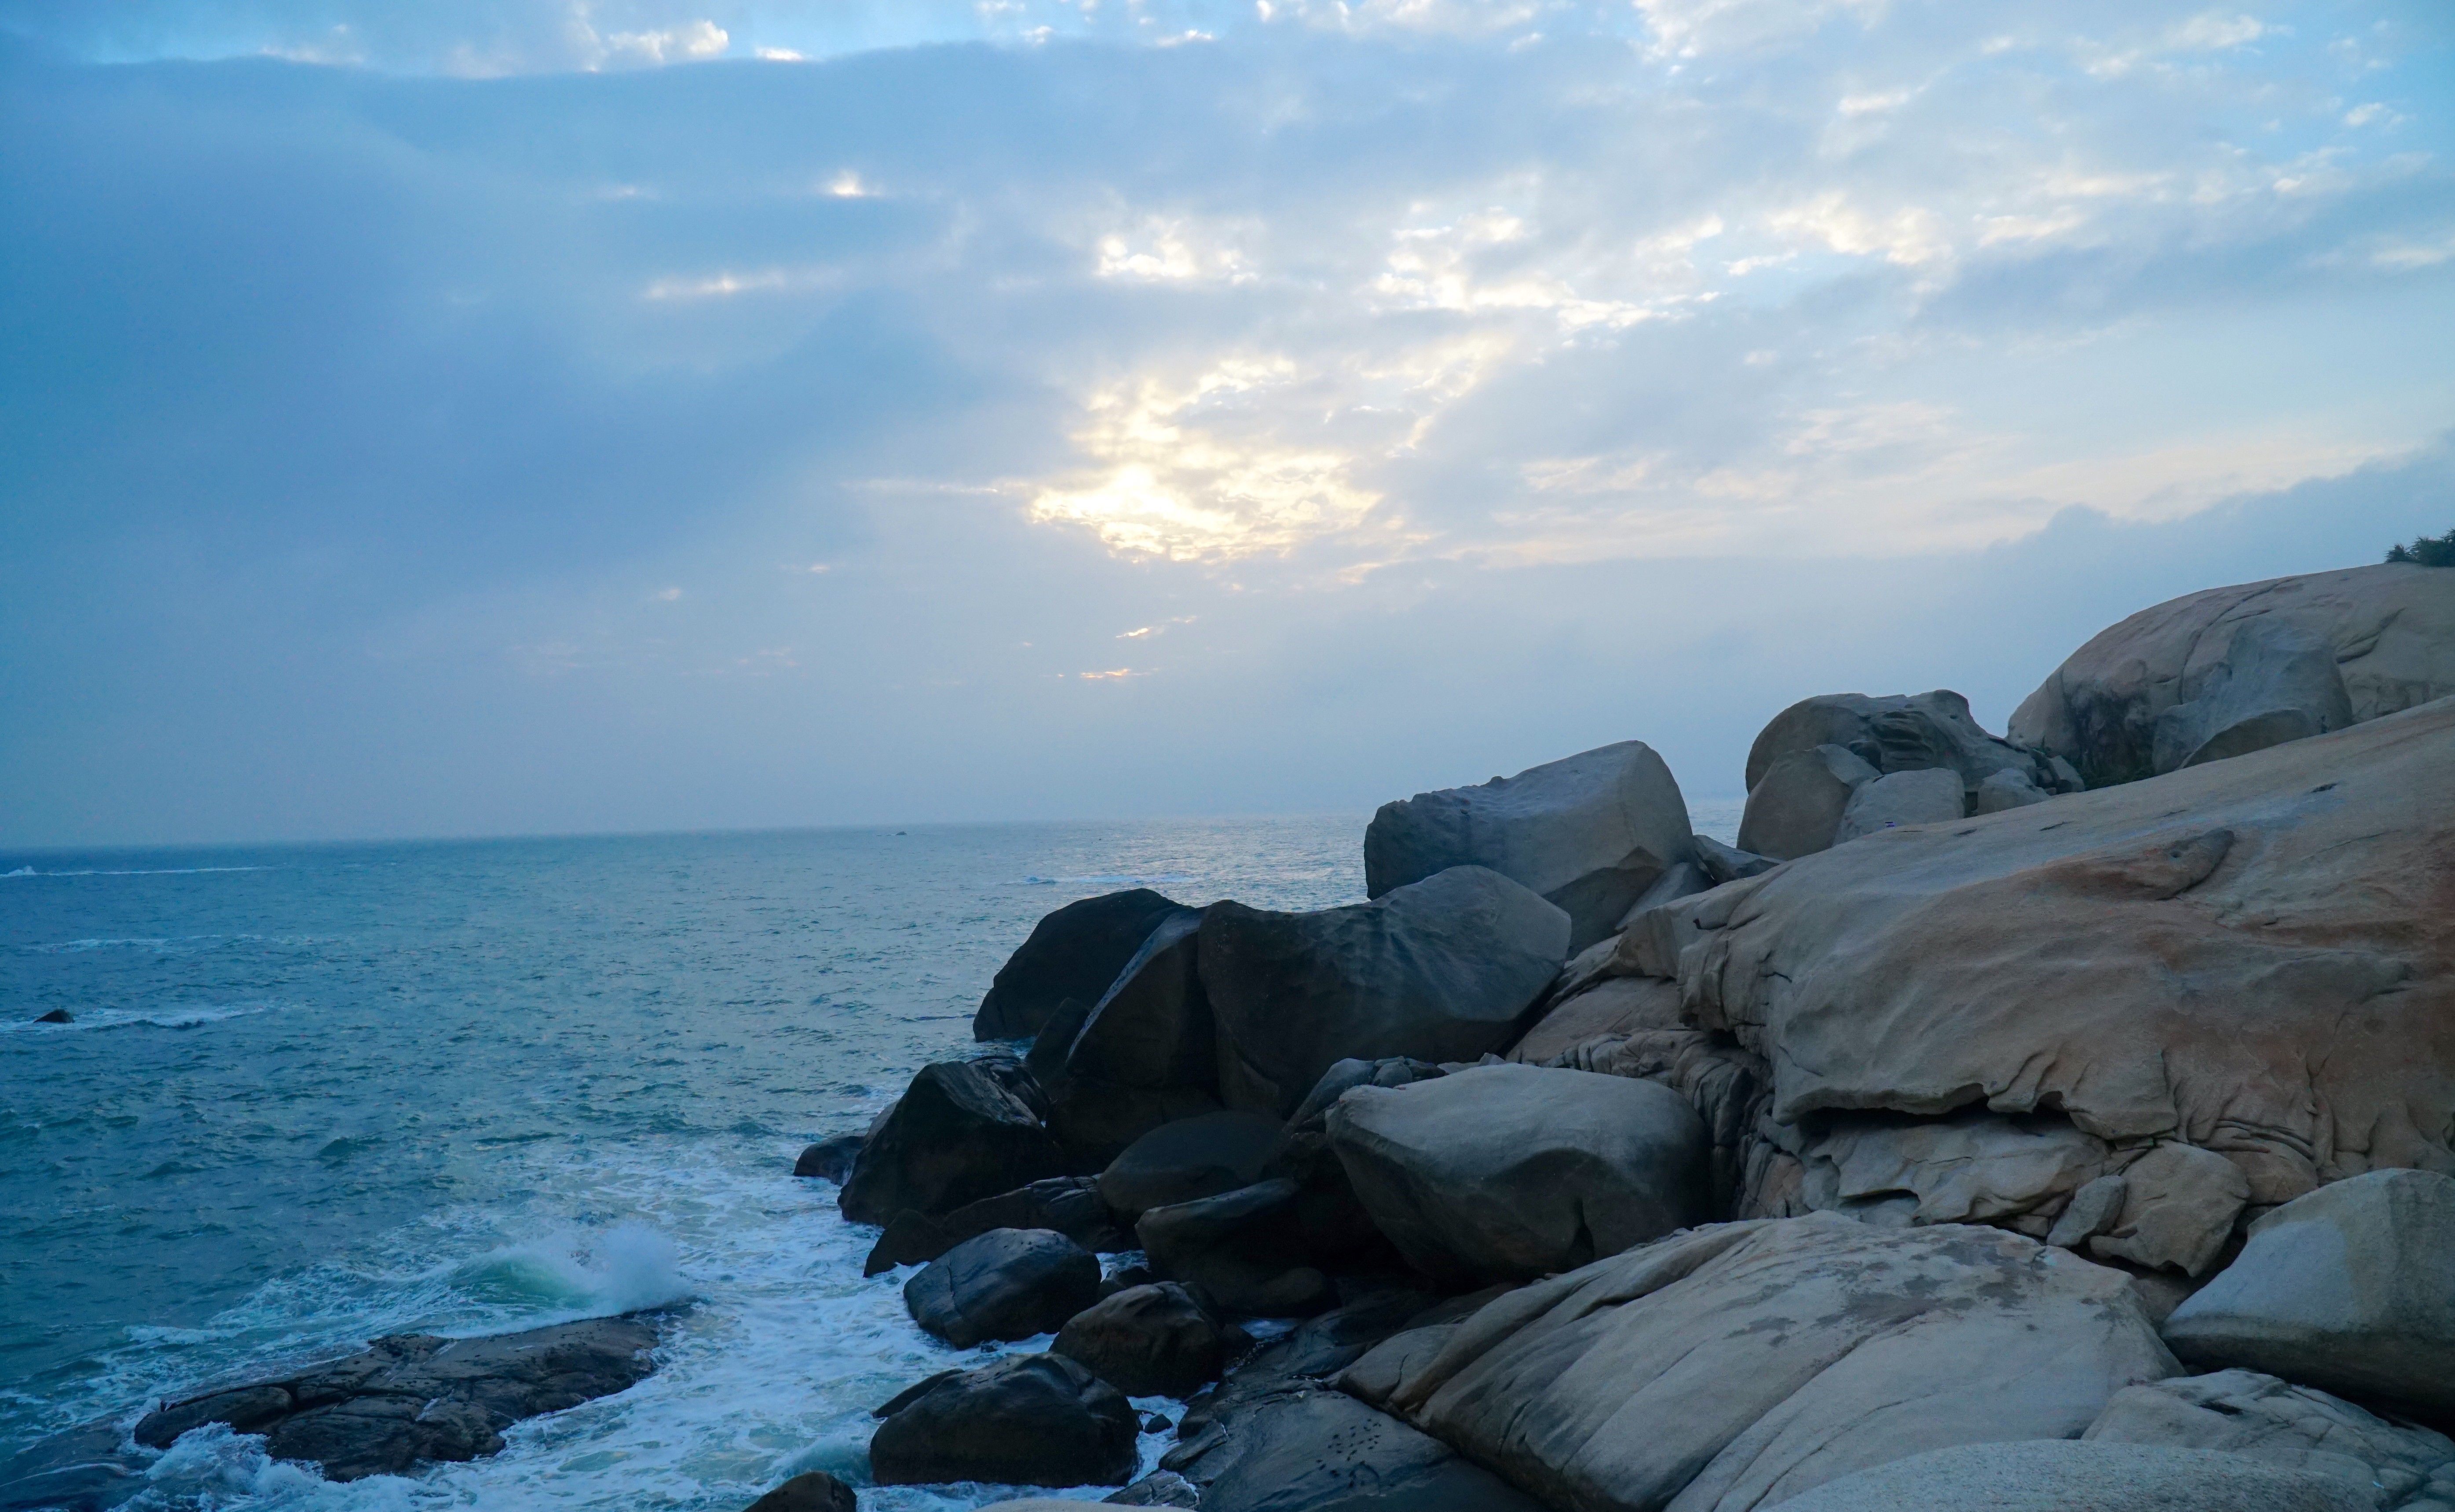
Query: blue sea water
314,1095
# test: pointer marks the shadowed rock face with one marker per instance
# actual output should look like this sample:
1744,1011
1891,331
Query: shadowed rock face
963,1131
1075,952
416,1397
2388,630
2293,1427
2250,956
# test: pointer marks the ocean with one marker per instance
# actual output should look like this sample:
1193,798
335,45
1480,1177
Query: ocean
316,1094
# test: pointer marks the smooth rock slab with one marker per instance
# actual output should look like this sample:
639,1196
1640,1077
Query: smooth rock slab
2351,1288
1440,970
1590,832
1510,1172
1075,952
413,1396
1028,1419
1006,1284
1735,1366
2064,1477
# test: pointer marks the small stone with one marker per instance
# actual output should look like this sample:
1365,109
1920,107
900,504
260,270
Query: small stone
812,1491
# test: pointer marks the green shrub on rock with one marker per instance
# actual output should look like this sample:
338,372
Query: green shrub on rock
2426,551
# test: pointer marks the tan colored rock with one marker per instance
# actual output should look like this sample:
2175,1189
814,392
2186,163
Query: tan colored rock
1733,1366
2251,957
2391,627
1611,1008
2179,1207
1930,796
2295,1427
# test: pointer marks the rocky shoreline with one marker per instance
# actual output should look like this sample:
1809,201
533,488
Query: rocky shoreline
2062,1119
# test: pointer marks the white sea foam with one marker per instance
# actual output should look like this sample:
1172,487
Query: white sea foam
143,871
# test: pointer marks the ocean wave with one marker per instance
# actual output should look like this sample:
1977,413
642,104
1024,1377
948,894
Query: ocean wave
149,871
1157,879
181,1017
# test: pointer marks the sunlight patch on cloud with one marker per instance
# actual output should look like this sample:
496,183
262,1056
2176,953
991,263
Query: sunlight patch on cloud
1907,237
726,285
1171,251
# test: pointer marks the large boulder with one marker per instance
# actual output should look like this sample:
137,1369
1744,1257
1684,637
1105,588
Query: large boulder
1075,952
2057,1477
1735,1366
1153,1341
1795,807
414,1396
811,1491
1590,832
2277,1422
2389,632
1027,1420
1930,796
1510,1172
2351,1288
962,1130
2248,956
1006,1284
1440,969
1188,1160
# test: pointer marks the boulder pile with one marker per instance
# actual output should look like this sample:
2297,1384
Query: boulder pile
2059,1120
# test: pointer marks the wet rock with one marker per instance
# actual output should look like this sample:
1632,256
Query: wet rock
2058,1477
1440,970
963,1130
812,1491
1071,1205
1188,1160
1510,1172
1739,1364
1075,952
1795,808
2350,1289
82,1470
2389,632
1027,1420
831,1158
416,1397
57,1015
1147,1342
1006,1284
1590,833
2294,1427
1930,797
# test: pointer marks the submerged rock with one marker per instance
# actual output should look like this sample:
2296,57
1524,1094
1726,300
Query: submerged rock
57,1015
1006,1284
2060,1477
812,1491
1027,1420
413,1396
1440,970
1590,832
1075,952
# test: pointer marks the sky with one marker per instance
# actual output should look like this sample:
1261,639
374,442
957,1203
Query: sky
545,417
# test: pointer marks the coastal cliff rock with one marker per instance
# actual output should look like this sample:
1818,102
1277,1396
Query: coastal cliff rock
2389,632
1075,952
1510,1172
413,1396
1027,1420
1590,832
1440,969
1733,1366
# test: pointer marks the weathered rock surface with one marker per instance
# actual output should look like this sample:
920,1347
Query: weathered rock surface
963,1130
2062,1477
1902,733
2276,682
1727,863
1510,1172
1006,1284
1394,1071
1151,1341
413,1397
80,1470
811,1491
2390,632
1735,1366
1188,1160
1611,1008
1440,969
2295,1427
1075,952
2351,1289
1590,833
1027,1420
1322,1450
1795,808
1246,1252
2007,789
1930,797
2248,956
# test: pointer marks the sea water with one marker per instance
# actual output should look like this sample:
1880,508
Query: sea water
314,1095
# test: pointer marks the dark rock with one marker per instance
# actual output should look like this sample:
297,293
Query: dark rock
1152,1028
1148,1341
1006,1284
1028,1419
413,1396
1159,1488
1728,863
1322,1450
812,1491
1069,1204
831,1158
82,1470
1441,970
1188,1160
57,1015
1394,1071
1590,833
1244,1251
1075,952
1125,1277
963,1131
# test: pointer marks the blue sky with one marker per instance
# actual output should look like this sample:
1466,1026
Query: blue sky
514,417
